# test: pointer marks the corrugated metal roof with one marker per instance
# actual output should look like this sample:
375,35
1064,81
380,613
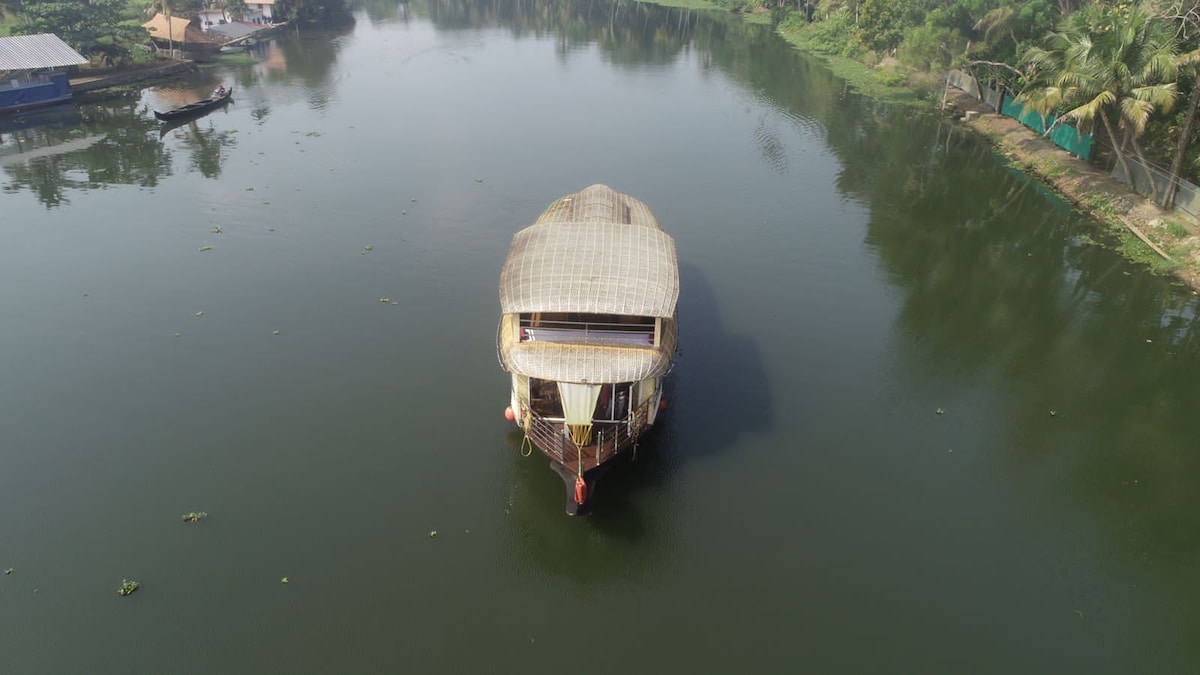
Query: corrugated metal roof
30,52
598,252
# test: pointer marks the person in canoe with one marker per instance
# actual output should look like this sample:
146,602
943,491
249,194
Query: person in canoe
219,92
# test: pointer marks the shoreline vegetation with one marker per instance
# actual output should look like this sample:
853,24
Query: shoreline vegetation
1165,242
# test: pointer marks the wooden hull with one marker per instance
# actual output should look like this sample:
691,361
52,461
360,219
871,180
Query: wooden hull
193,110
611,436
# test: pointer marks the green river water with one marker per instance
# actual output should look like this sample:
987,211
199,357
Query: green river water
848,269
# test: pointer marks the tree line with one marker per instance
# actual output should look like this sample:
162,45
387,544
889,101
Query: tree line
1125,70
109,29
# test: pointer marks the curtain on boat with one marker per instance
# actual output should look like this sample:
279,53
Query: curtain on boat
579,401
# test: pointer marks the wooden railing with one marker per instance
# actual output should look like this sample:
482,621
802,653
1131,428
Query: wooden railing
609,438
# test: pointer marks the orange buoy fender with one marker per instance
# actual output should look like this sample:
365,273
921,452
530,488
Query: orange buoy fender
580,491
509,414
662,404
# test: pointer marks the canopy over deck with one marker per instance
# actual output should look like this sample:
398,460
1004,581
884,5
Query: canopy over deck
33,52
586,364
597,252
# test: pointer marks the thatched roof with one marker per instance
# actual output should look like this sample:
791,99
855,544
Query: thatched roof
160,29
596,251
588,364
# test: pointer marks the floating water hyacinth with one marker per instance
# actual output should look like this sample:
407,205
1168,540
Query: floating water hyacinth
205,248
199,313
194,516
283,580
8,571
217,229
940,411
368,247
385,300
274,332
432,533
127,587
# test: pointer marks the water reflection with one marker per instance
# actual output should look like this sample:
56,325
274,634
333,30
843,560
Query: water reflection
581,552
113,144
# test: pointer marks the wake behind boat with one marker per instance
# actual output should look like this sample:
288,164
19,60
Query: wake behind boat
218,99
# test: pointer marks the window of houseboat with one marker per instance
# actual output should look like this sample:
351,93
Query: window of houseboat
619,329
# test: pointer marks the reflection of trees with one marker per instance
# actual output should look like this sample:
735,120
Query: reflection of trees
629,33
306,57
113,144
129,153
1000,288
205,146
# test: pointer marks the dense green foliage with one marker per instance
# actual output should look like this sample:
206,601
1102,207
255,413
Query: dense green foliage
1120,68
98,27
108,29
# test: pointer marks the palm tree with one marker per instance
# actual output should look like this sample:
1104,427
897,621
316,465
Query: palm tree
1189,62
1106,64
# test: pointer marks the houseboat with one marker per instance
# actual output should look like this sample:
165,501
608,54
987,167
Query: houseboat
588,331
27,77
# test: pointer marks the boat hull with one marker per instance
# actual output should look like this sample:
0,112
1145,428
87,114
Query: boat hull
193,110
40,93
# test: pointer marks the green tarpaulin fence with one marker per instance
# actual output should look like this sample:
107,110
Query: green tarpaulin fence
1064,136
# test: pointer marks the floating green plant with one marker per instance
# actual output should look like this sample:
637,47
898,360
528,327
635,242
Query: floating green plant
217,229
8,571
205,248
940,411
274,332
368,247
199,313
283,580
432,533
127,587
385,300
194,516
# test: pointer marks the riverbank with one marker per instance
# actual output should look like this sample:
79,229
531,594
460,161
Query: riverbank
90,81
1165,242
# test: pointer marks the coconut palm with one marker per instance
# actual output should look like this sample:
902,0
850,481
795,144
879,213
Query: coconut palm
1114,65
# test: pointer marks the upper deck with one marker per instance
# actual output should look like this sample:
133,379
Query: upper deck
593,252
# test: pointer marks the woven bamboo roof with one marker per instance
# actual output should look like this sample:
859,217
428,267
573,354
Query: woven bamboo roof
162,29
596,251
587,364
